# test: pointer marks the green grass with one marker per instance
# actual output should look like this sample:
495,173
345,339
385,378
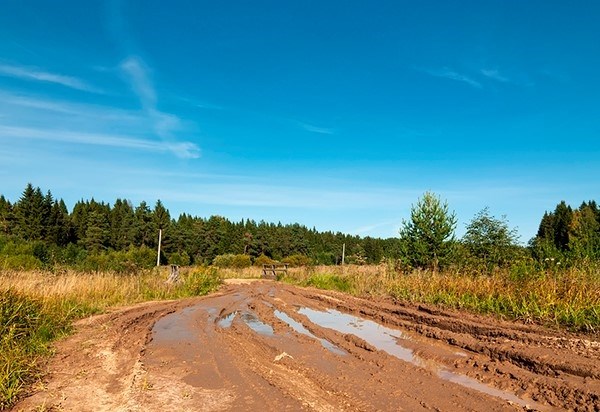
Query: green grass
36,308
329,281
26,328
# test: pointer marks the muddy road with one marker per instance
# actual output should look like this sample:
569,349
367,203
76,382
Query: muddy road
269,346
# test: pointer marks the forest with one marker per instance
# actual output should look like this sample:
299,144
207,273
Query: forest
39,231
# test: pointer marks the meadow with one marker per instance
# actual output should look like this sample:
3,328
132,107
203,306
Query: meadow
38,307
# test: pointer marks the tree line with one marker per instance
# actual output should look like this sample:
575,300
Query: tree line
93,228
39,229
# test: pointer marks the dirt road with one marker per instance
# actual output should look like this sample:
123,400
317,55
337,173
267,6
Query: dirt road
268,346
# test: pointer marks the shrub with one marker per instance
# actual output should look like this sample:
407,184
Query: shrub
329,281
179,258
297,260
201,281
232,261
21,262
263,260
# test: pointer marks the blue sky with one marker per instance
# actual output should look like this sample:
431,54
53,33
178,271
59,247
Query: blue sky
333,114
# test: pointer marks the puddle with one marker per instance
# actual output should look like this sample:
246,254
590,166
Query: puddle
226,321
381,337
481,387
385,339
249,319
298,327
255,324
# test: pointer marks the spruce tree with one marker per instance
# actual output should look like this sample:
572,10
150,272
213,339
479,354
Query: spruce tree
427,238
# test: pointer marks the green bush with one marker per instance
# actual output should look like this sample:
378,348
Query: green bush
329,281
179,258
232,261
263,260
21,262
132,260
297,260
201,281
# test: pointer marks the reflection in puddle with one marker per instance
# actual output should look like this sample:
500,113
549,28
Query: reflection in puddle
478,386
256,325
375,334
226,321
249,319
385,339
298,327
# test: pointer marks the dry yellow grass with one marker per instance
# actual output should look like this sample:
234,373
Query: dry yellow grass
569,297
37,307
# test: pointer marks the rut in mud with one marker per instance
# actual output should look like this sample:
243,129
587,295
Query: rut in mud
269,346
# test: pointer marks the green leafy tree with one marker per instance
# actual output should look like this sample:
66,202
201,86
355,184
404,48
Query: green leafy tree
584,234
490,239
427,238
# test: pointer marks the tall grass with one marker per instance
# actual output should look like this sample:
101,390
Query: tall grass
567,298
38,307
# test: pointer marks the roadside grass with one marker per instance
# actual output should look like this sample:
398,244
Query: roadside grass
39,307
568,298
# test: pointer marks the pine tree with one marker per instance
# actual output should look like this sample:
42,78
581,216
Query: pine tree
563,216
121,225
97,232
58,226
6,216
427,238
145,230
30,214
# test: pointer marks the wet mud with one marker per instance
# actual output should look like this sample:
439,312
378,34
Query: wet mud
269,346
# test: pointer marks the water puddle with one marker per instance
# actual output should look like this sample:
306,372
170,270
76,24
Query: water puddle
249,319
256,325
386,339
373,333
481,387
226,321
298,327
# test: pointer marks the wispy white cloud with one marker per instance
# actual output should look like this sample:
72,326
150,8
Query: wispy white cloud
453,75
137,72
316,129
494,74
35,74
183,149
269,195
164,124
40,104
366,229
209,106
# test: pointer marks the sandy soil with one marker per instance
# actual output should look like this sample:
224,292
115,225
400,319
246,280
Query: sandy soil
271,347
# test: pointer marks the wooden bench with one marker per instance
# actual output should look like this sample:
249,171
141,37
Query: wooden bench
270,271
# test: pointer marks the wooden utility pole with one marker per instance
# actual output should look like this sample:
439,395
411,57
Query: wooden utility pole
159,240
343,253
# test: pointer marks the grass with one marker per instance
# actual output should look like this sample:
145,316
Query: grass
39,307
568,298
